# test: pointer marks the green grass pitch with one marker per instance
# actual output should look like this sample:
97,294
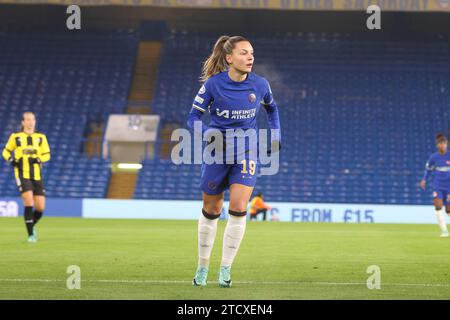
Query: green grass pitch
155,259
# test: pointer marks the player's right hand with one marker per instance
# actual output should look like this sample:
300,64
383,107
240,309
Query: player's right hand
423,184
12,162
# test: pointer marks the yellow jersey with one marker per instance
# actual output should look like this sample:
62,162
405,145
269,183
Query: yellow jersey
27,148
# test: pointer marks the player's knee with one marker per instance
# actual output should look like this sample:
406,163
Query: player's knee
28,203
238,207
213,207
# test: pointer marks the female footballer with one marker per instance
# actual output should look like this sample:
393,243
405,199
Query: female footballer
233,95
439,165
26,151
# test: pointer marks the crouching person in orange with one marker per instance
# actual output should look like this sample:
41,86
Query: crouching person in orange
258,206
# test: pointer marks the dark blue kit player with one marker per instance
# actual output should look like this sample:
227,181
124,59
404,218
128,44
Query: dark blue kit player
233,95
438,165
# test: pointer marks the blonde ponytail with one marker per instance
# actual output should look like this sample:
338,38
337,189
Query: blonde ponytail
216,62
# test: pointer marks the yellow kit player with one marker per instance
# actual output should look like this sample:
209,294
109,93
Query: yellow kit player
26,151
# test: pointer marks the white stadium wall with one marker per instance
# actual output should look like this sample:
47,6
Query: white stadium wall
190,210
284,211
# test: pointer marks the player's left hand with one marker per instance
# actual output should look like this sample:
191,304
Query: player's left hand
275,147
423,184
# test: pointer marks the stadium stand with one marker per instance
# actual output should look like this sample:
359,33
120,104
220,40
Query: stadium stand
358,117
69,80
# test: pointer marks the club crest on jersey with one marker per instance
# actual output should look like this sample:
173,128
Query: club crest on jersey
251,97
202,90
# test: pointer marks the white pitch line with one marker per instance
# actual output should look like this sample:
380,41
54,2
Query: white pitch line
238,282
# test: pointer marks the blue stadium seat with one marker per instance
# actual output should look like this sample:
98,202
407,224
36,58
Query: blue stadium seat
68,80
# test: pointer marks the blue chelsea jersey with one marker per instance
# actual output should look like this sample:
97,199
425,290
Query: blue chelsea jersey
233,105
439,166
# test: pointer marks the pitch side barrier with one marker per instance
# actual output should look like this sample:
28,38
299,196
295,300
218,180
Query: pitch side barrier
190,210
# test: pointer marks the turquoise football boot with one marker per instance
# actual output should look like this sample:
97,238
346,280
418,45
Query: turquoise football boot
32,239
225,277
201,276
